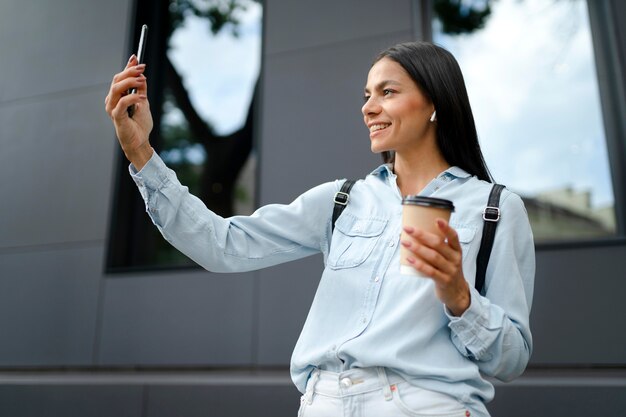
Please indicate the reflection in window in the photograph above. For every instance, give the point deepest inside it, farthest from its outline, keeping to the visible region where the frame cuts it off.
(531, 79)
(202, 88)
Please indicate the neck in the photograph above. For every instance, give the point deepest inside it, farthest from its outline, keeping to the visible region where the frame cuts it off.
(416, 169)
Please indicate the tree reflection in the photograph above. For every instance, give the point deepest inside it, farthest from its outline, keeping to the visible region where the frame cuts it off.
(458, 16)
(214, 180)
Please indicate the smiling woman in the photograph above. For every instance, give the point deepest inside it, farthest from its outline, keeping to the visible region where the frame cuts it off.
(372, 330)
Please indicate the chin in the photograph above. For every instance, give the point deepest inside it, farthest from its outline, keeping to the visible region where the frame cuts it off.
(380, 150)
(377, 148)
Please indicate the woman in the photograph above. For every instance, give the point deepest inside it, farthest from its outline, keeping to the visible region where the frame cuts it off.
(375, 342)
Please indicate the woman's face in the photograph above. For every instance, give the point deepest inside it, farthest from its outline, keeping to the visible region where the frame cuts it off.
(395, 111)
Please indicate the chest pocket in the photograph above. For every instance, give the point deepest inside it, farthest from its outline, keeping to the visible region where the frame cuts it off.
(466, 238)
(353, 240)
(466, 235)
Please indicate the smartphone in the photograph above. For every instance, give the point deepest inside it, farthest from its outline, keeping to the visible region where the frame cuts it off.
(141, 49)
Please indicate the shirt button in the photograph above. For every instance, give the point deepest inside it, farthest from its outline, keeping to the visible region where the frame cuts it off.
(346, 382)
(376, 279)
(392, 244)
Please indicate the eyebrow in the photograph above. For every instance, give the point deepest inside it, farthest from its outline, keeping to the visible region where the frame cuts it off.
(383, 84)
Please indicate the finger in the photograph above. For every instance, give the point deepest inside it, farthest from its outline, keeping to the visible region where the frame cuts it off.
(132, 71)
(115, 91)
(425, 268)
(120, 111)
(143, 85)
(450, 234)
(132, 61)
(435, 253)
(431, 257)
(434, 241)
(120, 90)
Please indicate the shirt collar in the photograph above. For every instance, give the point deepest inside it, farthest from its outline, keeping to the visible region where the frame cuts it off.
(456, 172)
(384, 171)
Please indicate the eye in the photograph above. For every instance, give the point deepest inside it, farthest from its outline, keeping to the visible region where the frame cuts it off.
(387, 91)
(365, 98)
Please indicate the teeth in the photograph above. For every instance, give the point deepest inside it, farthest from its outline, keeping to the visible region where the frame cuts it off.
(381, 126)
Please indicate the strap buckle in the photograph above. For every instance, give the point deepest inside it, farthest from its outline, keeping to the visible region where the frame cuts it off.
(341, 198)
(491, 214)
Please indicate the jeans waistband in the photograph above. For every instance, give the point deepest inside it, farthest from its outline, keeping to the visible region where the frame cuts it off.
(352, 382)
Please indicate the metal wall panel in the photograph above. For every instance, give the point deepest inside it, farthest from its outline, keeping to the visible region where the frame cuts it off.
(173, 319)
(56, 166)
(55, 175)
(293, 25)
(60, 46)
(576, 313)
(48, 306)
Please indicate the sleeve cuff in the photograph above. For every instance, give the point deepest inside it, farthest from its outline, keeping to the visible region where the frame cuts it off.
(466, 330)
(152, 176)
(472, 313)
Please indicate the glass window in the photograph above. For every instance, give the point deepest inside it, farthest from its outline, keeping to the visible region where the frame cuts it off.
(203, 64)
(530, 74)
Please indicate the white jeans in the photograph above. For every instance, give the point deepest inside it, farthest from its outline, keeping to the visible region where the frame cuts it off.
(373, 392)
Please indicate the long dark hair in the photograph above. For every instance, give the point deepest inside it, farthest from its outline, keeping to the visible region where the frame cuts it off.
(438, 75)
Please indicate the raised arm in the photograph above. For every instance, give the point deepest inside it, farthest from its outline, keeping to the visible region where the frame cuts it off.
(274, 234)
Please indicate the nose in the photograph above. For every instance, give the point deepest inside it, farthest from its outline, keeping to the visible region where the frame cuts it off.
(370, 107)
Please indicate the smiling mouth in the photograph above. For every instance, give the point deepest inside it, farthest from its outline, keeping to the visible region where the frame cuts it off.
(378, 127)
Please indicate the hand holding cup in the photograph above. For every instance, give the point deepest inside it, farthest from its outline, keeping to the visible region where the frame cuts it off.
(431, 249)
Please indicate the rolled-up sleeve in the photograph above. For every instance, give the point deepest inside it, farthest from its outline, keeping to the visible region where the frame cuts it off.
(494, 331)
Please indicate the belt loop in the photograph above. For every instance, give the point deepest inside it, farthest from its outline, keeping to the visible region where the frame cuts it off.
(310, 386)
(382, 377)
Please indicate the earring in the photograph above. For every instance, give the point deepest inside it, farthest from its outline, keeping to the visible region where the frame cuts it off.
(433, 117)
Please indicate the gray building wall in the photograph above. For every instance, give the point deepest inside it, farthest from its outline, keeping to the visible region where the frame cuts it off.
(77, 342)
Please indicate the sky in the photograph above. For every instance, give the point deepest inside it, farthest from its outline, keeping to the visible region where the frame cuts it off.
(533, 88)
(222, 68)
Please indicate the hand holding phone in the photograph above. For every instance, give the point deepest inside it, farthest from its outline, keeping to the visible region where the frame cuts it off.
(143, 38)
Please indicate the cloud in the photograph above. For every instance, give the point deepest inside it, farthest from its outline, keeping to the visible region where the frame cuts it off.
(532, 83)
(219, 71)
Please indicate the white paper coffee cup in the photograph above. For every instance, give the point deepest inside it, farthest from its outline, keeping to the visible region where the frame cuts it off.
(421, 213)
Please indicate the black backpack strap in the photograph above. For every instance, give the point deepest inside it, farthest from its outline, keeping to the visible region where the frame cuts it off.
(491, 216)
(341, 201)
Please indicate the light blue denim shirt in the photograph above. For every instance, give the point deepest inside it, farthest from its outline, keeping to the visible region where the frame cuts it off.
(365, 313)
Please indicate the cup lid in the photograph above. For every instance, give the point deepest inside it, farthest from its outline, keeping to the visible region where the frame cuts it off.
(428, 202)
